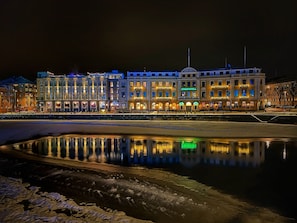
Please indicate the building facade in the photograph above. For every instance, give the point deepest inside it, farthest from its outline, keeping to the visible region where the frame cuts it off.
(191, 90)
(93, 92)
(281, 94)
(17, 94)
(152, 91)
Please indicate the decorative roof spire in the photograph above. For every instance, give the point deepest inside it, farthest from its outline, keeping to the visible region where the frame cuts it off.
(189, 57)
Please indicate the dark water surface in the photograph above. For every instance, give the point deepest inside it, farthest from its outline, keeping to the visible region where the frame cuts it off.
(260, 171)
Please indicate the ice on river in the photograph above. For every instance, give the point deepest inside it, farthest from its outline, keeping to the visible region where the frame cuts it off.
(20, 202)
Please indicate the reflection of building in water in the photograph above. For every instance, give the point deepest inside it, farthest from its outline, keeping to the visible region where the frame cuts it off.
(155, 150)
(242, 152)
(148, 150)
(83, 148)
(111, 149)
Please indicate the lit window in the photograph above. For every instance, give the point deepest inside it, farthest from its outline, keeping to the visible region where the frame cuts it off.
(243, 93)
(235, 93)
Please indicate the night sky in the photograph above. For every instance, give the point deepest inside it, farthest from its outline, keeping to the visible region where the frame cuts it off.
(101, 35)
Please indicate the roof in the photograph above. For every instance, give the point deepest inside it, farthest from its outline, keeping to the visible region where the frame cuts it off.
(15, 80)
(188, 70)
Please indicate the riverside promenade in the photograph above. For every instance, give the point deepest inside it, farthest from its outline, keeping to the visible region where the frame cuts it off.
(263, 117)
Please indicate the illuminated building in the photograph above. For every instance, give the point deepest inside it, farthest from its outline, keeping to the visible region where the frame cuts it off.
(281, 94)
(17, 94)
(4, 100)
(191, 90)
(152, 91)
(93, 92)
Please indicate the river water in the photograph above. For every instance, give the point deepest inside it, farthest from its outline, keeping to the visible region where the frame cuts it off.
(259, 171)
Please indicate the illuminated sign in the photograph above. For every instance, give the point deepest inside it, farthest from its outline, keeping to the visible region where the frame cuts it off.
(188, 89)
(188, 145)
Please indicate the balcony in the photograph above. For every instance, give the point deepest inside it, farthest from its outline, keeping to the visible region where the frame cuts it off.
(243, 97)
(220, 98)
(137, 98)
(137, 87)
(163, 87)
(163, 98)
(219, 86)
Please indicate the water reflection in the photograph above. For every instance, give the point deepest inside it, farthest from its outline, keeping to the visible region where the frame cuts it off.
(149, 150)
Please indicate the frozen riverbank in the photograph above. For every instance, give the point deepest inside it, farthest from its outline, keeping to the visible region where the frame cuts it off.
(21, 202)
(143, 193)
(151, 191)
(14, 130)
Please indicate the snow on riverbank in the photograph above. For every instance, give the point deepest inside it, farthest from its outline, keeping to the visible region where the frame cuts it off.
(20, 202)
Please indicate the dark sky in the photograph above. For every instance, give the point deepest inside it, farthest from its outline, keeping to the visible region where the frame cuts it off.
(65, 36)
